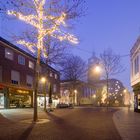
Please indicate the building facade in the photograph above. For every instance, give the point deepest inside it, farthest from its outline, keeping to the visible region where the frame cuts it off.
(17, 75)
(135, 74)
(77, 93)
(115, 95)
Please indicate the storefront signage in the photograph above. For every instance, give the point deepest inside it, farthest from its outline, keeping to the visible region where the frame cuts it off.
(23, 91)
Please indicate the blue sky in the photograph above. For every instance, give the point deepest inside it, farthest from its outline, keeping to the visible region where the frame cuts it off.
(108, 23)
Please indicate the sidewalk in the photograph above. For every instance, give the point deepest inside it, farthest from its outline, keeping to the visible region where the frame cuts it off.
(127, 123)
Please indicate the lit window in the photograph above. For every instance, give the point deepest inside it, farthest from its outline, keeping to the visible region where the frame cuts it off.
(31, 65)
(29, 80)
(55, 76)
(9, 54)
(21, 60)
(15, 77)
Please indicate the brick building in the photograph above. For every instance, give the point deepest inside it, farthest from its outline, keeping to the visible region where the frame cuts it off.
(17, 73)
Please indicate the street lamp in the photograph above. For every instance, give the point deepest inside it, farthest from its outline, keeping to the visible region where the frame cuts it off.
(75, 96)
(97, 69)
(44, 80)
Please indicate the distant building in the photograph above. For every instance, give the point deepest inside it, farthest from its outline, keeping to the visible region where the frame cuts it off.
(80, 93)
(135, 74)
(115, 92)
(92, 75)
(17, 76)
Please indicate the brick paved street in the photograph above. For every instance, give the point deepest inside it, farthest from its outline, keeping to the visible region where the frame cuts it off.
(62, 124)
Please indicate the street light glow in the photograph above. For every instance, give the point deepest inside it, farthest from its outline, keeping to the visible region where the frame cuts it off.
(75, 91)
(97, 69)
(43, 80)
(125, 90)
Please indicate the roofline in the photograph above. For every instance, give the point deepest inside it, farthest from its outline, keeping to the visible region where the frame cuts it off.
(24, 52)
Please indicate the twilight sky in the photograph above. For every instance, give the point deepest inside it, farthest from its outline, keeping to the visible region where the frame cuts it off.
(108, 23)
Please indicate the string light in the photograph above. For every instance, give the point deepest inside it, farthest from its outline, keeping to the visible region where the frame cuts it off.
(38, 22)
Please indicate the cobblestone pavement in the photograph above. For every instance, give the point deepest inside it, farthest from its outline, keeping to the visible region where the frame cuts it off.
(128, 124)
(62, 124)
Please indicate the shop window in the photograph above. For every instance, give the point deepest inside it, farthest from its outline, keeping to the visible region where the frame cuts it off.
(29, 80)
(31, 65)
(9, 54)
(0, 73)
(21, 60)
(15, 77)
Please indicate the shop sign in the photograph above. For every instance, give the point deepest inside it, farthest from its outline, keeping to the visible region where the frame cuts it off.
(23, 91)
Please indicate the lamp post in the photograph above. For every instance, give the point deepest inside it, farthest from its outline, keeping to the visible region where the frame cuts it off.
(43, 80)
(75, 96)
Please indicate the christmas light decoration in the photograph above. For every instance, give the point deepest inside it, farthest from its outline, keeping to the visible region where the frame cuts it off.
(46, 25)
(38, 21)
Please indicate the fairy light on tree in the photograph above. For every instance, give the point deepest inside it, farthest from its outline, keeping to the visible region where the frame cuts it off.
(54, 29)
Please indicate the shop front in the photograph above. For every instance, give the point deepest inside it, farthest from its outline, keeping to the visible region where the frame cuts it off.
(41, 98)
(20, 98)
(136, 90)
(2, 97)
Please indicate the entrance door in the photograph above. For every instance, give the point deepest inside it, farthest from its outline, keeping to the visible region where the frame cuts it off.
(1, 100)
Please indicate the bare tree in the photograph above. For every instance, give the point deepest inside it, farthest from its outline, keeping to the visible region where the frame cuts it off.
(73, 68)
(111, 64)
(47, 20)
(54, 48)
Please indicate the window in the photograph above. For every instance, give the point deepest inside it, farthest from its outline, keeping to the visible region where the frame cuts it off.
(9, 54)
(55, 76)
(136, 65)
(29, 80)
(31, 65)
(15, 77)
(51, 74)
(54, 88)
(21, 60)
(0, 73)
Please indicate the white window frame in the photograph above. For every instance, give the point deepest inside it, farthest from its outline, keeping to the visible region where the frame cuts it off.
(136, 65)
(51, 74)
(21, 60)
(56, 76)
(31, 65)
(9, 54)
(54, 87)
(29, 80)
(15, 77)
